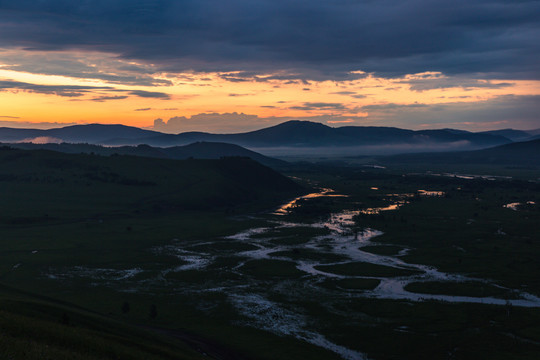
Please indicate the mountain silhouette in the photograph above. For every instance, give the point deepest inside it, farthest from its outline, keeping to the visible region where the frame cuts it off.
(292, 134)
(311, 134)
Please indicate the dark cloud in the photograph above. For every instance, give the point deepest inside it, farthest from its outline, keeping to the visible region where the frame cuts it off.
(392, 106)
(77, 90)
(33, 125)
(150, 94)
(112, 71)
(143, 109)
(430, 82)
(9, 117)
(60, 90)
(508, 111)
(107, 98)
(319, 106)
(294, 39)
(352, 94)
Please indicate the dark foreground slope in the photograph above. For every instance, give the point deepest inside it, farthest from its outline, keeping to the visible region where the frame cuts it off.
(35, 327)
(64, 211)
(39, 184)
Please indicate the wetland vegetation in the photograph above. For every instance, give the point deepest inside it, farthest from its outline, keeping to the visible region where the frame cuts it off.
(399, 265)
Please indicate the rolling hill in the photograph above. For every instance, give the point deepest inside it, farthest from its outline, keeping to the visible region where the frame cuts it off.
(81, 185)
(291, 134)
(36, 327)
(198, 150)
(92, 133)
(525, 153)
(514, 135)
(305, 134)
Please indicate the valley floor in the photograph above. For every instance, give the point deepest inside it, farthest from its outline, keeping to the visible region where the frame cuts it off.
(382, 266)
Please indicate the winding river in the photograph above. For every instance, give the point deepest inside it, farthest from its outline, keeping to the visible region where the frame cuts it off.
(338, 243)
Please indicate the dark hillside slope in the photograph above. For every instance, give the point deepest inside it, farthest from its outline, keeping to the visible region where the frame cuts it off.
(35, 328)
(79, 148)
(519, 153)
(16, 134)
(214, 150)
(514, 135)
(38, 184)
(199, 150)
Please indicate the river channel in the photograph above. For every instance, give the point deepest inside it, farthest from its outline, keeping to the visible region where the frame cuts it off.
(336, 242)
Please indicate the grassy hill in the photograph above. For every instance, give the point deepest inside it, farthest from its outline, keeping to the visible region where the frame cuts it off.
(77, 211)
(61, 210)
(38, 185)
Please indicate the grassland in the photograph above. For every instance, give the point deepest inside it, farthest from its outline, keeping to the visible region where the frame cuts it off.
(206, 269)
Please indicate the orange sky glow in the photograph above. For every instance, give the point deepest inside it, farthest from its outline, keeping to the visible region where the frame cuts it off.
(267, 101)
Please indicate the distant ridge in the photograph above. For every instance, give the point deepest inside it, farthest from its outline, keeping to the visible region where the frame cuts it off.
(524, 153)
(91, 133)
(306, 134)
(514, 135)
(291, 134)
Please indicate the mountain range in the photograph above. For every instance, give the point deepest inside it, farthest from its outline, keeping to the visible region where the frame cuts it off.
(304, 134)
(526, 153)
(292, 134)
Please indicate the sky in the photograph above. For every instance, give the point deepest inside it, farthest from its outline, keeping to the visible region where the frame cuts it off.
(238, 65)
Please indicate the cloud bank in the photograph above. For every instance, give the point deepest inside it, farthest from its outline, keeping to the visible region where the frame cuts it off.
(520, 112)
(304, 39)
